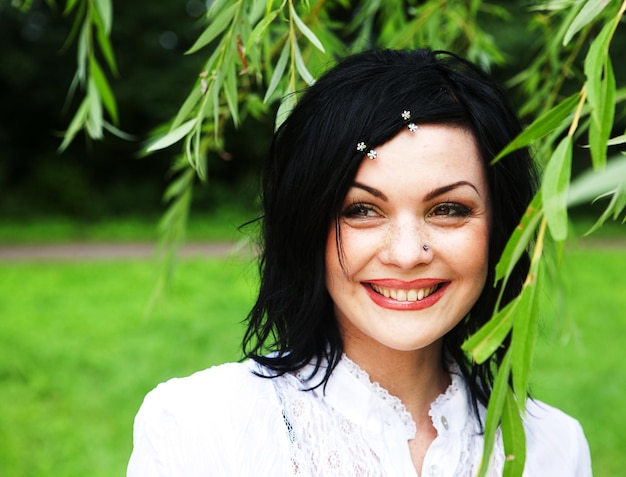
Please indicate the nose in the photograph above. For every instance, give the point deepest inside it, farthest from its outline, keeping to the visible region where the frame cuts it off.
(406, 246)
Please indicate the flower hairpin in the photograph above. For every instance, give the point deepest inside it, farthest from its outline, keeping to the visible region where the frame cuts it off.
(406, 117)
(362, 147)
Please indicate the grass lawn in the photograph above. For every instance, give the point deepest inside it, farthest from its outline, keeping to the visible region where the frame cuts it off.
(77, 353)
(222, 224)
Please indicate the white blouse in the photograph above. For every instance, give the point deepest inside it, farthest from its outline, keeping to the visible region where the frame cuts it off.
(227, 421)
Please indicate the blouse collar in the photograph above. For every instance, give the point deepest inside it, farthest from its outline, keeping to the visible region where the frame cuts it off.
(351, 392)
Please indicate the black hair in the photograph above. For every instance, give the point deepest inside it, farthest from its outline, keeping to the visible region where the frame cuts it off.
(312, 164)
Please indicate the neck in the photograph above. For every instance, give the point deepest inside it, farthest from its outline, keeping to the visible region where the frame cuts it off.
(415, 377)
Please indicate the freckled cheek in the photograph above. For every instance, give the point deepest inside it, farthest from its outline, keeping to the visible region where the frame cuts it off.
(469, 251)
(358, 247)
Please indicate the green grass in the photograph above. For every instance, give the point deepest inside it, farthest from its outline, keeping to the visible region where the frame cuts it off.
(77, 353)
(579, 365)
(220, 225)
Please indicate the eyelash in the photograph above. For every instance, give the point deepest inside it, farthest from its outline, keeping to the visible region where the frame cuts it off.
(357, 210)
(450, 209)
(454, 210)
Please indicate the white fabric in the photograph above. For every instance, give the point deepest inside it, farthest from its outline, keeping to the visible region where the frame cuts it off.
(226, 421)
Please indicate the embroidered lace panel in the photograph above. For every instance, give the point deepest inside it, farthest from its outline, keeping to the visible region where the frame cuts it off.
(325, 443)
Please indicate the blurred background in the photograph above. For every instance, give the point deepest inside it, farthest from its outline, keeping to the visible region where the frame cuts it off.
(78, 351)
(95, 181)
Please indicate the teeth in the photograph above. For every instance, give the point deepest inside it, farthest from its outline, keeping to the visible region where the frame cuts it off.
(404, 295)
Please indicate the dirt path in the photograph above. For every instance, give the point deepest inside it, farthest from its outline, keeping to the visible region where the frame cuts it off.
(115, 251)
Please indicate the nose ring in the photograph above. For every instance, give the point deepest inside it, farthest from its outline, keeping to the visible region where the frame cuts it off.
(426, 248)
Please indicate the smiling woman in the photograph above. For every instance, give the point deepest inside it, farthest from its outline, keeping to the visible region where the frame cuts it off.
(388, 216)
(383, 222)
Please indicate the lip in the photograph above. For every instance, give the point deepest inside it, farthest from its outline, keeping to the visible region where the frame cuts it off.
(392, 304)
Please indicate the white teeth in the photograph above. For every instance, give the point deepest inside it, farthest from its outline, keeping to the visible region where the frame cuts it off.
(404, 295)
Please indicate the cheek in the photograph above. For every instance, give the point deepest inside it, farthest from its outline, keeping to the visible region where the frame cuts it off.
(475, 255)
(346, 256)
(468, 250)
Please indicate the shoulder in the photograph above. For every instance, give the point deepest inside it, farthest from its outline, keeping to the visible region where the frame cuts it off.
(205, 392)
(555, 443)
(213, 422)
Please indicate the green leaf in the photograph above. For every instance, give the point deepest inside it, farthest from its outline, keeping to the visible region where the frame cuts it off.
(616, 206)
(554, 189)
(216, 103)
(260, 28)
(524, 336)
(278, 72)
(602, 115)
(77, 23)
(520, 238)
(81, 53)
(230, 91)
(190, 102)
(178, 186)
(77, 123)
(617, 140)
(305, 30)
(590, 10)
(287, 103)
(541, 126)
(171, 137)
(599, 90)
(217, 26)
(301, 67)
(69, 6)
(494, 411)
(513, 437)
(591, 184)
(94, 118)
(104, 8)
(103, 88)
(118, 132)
(107, 50)
(482, 344)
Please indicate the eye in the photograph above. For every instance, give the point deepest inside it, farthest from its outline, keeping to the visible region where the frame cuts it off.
(359, 211)
(450, 209)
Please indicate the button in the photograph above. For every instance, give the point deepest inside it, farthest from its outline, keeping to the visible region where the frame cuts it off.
(444, 421)
(433, 471)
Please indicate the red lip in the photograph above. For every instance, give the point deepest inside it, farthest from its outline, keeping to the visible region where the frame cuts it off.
(404, 285)
(392, 304)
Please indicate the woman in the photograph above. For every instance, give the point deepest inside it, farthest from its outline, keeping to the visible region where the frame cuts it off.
(383, 222)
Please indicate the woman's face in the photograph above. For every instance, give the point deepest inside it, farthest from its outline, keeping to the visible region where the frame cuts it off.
(414, 237)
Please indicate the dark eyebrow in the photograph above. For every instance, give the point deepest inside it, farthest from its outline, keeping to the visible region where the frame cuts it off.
(371, 190)
(447, 188)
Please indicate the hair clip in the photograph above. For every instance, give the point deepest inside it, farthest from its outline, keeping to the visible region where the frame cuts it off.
(362, 147)
(406, 117)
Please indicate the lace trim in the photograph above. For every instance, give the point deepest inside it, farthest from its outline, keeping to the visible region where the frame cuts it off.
(392, 401)
(438, 406)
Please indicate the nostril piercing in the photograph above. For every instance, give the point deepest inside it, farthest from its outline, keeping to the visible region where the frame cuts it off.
(426, 248)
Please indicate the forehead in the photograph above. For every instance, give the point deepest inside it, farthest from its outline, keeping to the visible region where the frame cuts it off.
(428, 157)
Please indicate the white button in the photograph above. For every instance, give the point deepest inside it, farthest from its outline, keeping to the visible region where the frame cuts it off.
(444, 421)
(433, 471)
